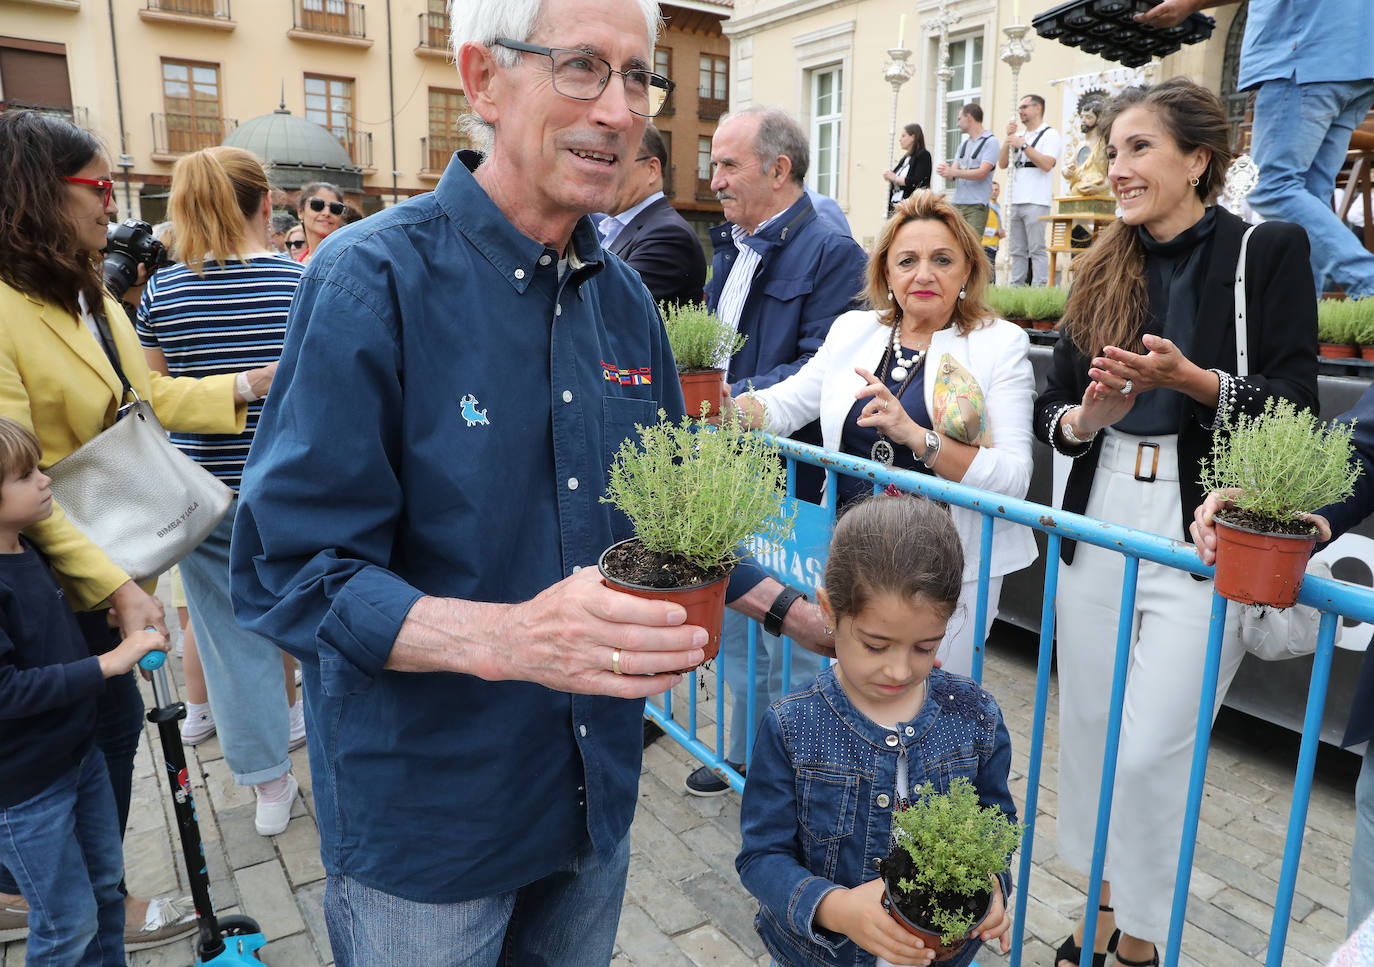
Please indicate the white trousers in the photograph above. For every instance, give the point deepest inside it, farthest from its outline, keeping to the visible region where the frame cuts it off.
(1163, 689)
(956, 651)
(1026, 233)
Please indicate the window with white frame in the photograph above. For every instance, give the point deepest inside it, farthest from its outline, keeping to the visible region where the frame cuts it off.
(826, 100)
(965, 85)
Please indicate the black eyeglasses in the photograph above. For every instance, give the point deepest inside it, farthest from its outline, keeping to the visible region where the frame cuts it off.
(295, 243)
(583, 77)
(317, 205)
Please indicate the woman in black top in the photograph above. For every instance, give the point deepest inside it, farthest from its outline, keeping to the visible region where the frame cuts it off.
(912, 169)
(1145, 367)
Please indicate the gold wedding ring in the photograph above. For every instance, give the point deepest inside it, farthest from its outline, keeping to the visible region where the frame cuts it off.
(615, 661)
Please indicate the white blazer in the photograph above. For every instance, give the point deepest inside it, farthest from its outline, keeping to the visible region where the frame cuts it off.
(996, 353)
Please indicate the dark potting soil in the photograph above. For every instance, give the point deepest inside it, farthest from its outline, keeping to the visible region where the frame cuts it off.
(1268, 525)
(920, 908)
(632, 563)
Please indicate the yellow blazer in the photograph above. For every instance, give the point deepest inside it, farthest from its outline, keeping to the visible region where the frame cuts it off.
(56, 380)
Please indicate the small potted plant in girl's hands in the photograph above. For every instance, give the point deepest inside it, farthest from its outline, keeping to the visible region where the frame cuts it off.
(702, 343)
(694, 494)
(939, 873)
(1274, 469)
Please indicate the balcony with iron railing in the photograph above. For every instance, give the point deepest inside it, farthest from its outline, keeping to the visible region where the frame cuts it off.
(669, 176)
(433, 35)
(329, 21)
(213, 14)
(709, 107)
(178, 134)
(79, 116)
(436, 150)
(704, 192)
(358, 144)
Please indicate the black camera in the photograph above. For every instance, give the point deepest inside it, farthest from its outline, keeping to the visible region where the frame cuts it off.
(127, 246)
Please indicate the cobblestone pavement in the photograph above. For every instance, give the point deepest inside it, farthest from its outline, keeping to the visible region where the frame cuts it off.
(684, 905)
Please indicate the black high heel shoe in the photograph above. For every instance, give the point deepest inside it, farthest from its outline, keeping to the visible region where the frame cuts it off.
(1073, 953)
(1152, 962)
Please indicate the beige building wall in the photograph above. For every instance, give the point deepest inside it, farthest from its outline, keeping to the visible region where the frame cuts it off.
(778, 45)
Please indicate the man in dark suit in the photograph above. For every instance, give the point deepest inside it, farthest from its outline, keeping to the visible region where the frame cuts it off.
(1333, 521)
(649, 235)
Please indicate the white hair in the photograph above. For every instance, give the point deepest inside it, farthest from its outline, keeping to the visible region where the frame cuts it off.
(482, 21)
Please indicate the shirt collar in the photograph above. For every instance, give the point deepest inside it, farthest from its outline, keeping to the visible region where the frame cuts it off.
(630, 214)
(488, 230)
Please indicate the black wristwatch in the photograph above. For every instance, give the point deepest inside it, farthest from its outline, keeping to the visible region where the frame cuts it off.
(772, 621)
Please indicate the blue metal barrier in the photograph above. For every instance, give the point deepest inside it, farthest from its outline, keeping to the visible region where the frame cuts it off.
(811, 537)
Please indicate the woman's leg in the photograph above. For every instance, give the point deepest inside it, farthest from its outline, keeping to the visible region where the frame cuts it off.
(956, 651)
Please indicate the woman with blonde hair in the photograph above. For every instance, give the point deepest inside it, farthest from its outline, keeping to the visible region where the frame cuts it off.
(1145, 369)
(223, 309)
(925, 379)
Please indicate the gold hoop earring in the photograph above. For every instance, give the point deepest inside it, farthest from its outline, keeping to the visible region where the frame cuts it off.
(1194, 181)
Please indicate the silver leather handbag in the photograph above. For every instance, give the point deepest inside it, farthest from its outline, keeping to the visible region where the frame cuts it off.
(135, 495)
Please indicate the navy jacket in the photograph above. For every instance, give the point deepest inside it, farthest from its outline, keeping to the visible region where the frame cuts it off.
(665, 251)
(1343, 516)
(808, 274)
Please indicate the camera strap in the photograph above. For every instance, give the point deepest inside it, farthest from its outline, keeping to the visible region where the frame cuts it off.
(107, 343)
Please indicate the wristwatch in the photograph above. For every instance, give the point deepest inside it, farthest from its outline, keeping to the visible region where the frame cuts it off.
(932, 449)
(772, 621)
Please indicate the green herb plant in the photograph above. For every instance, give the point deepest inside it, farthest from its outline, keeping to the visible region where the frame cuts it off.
(698, 492)
(1283, 462)
(698, 337)
(956, 845)
(1027, 302)
(1346, 321)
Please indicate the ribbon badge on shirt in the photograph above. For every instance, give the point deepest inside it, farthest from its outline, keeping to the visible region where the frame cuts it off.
(626, 377)
(471, 413)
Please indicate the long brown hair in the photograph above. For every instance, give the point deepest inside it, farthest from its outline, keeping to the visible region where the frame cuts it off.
(901, 545)
(926, 205)
(213, 191)
(1108, 303)
(38, 253)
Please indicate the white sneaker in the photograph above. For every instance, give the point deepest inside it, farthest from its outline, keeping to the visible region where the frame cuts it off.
(198, 725)
(297, 738)
(273, 816)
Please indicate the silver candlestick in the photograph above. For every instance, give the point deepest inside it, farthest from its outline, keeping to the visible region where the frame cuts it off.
(897, 71)
(1015, 52)
(939, 26)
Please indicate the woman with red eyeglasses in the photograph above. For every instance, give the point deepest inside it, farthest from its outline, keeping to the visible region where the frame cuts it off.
(58, 380)
(321, 209)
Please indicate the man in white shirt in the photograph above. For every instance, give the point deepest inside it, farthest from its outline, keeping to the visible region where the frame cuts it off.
(1034, 154)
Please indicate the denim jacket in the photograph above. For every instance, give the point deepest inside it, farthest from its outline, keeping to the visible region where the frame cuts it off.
(818, 801)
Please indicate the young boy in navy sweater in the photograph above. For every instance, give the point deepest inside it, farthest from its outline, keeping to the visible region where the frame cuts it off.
(59, 832)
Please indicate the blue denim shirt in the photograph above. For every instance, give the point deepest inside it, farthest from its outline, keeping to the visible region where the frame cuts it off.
(818, 800)
(1316, 41)
(441, 424)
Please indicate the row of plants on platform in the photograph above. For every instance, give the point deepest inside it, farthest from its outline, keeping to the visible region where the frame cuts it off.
(1345, 327)
(1027, 304)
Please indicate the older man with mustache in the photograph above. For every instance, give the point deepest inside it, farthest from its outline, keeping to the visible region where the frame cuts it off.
(780, 276)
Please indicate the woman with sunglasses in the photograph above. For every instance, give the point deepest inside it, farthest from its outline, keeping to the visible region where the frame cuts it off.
(57, 380)
(295, 242)
(321, 208)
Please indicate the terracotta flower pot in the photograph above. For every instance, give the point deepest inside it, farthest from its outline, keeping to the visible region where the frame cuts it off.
(1044, 323)
(1023, 323)
(1258, 568)
(927, 935)
(1336, 350)
(705, 603)
(1367, 352)
(703, 386)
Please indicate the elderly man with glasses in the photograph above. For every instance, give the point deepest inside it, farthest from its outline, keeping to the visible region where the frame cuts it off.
(420, 519)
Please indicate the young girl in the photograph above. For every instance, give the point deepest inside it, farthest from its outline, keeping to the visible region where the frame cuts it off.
(833, 761)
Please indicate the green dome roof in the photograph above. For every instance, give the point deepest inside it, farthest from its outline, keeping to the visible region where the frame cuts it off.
(296, 150)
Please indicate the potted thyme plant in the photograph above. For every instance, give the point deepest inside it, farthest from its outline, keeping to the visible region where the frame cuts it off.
(694, 494)
(1274, 469)
(1034, 307)
(938, 873)
(701, 345)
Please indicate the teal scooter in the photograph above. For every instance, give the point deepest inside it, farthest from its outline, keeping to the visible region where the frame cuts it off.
(221, 941)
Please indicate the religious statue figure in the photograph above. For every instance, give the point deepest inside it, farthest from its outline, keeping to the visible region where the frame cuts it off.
(1085, 158)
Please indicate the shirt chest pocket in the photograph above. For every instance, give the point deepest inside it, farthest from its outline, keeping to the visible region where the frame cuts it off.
(620, 414)
(788, 290)
(828, 802)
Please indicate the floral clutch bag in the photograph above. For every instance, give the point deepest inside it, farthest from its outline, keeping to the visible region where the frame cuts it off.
(958, 409)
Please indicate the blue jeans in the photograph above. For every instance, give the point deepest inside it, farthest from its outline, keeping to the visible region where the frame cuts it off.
(566, 919)
(63, 847)
(768, 683)
(1301, 134)
(1362, 853)
(243, 670)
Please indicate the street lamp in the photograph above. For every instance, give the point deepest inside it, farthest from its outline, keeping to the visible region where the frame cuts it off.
(896, 72)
